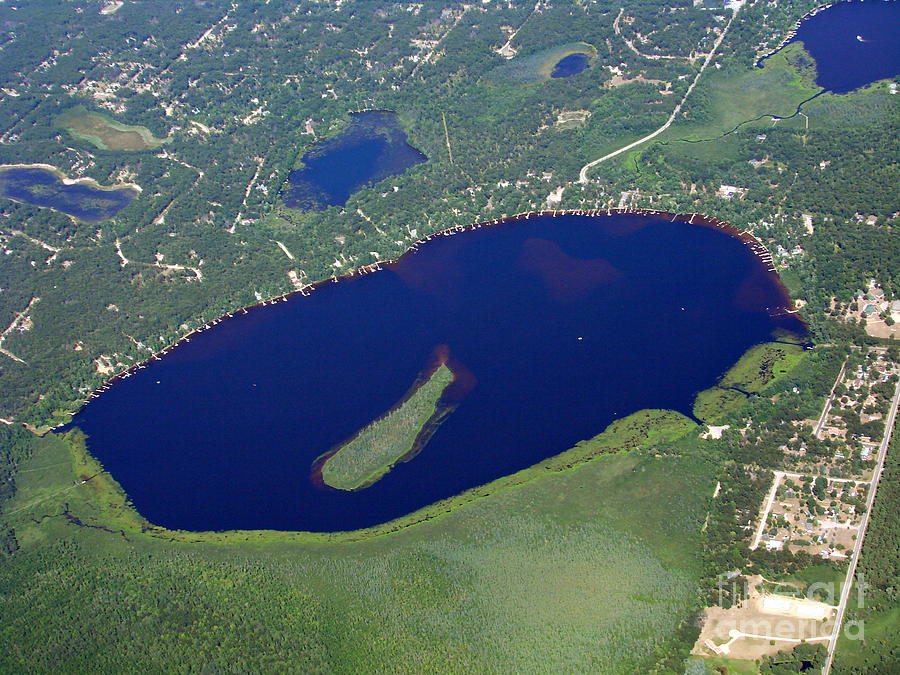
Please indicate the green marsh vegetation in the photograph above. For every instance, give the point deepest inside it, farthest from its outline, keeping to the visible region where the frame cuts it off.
(598, 550)
(537, 67)
(721, 664)
(105, 132)
(110, 505)
(39, 190)
(757, 369)
(729, 98)
(397, 436)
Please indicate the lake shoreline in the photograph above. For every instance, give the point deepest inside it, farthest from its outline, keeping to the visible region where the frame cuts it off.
(846, 42)
(792, 33)
(747, 238)
(621, 437)
(371, 148)
(547, 69)
(65, 180)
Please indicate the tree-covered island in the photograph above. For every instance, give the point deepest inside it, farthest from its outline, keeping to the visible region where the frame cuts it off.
(397, 436)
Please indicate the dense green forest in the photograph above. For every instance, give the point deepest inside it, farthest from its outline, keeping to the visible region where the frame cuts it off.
(875, 610)
(241, 107)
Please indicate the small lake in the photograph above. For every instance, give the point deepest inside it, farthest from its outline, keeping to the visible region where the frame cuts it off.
(566, 324)
(42, 187)
(853, 43)
(371, 149)
(571, 65)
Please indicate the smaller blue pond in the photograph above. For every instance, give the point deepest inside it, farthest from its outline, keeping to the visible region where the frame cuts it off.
(372, 148)
(853, 43)
(42, 187)
(571, 65)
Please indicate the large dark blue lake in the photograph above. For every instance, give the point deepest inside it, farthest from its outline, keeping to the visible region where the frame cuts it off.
(853, 43)
(42, 187)
(568, 324)
(371, 149)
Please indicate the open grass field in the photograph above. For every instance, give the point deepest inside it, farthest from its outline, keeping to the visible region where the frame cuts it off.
(722, 665)
(588, 565)
(822, 582)
(398, 435)
(105, 133)
(821, 576)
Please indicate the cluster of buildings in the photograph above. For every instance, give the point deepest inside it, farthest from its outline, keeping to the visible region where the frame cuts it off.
(878, 314)
(819, 519)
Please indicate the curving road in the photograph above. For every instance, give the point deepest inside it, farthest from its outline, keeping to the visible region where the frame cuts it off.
(582, 175)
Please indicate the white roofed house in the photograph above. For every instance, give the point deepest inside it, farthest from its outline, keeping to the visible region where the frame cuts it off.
(730, 191)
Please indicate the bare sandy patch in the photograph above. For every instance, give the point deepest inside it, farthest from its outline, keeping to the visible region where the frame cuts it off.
(104, 365)
(878, 328)
(763, 624)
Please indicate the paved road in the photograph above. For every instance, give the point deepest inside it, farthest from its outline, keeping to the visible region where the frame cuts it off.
(845, 591)
(582, 176)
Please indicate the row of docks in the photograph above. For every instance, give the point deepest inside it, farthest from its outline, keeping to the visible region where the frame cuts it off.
(793, 31)
(756, 246)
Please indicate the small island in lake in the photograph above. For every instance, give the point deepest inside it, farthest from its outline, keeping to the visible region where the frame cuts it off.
(397, 436)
